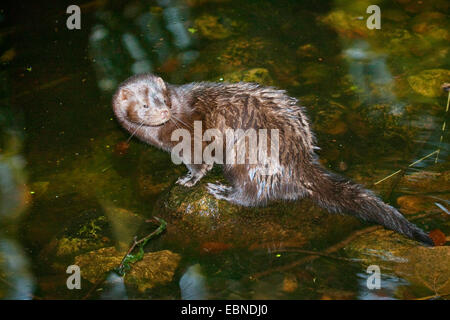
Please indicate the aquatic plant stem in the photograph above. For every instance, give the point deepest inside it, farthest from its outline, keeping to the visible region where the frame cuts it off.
(410, 165)
(436, 296)
(315, 253)
(443, 129)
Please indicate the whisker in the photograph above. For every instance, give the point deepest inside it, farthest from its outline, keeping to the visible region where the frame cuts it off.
(134, 132)
(181, 121)
(175, 123)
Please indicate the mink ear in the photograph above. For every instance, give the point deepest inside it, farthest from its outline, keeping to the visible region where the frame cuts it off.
(125, 94)
(161, 82)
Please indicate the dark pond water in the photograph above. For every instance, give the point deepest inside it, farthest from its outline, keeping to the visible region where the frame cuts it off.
(68, 186)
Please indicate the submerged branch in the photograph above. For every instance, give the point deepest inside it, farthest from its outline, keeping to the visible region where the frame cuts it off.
(313, 255)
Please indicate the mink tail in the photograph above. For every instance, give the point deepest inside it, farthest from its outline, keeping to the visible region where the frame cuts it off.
(339, 195)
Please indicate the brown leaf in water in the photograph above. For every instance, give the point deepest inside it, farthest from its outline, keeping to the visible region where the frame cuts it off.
(121, 148)
(214, 247)
(438, 237)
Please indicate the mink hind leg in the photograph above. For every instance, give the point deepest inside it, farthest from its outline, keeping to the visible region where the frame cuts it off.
(234, 194)
(245, 189)
(196, 172)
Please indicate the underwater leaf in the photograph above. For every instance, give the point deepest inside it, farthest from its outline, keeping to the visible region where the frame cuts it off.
(438, 237)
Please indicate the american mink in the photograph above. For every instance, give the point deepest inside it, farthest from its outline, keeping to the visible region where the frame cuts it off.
(152, 109)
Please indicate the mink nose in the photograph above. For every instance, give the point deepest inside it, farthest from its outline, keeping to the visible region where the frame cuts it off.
(165, 113)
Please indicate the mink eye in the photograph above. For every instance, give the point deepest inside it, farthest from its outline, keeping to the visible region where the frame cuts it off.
(145, 106)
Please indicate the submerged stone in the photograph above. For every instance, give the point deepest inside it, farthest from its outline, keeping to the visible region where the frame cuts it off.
(212, 27)
(156, 268)
(414, 204)
(88, 231)
(243, 52)
(428, 82)
(345, 24)
(395, 254)
(314, 73)
(257, 75)
(307, 51)
(290, 283)
(330, 120)
(395, 15)
(427, 181)
(94, 229)
(433, 25)
(70, 246)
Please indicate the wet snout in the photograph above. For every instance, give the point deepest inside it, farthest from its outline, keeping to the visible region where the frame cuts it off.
(165, 113)
(158, 116)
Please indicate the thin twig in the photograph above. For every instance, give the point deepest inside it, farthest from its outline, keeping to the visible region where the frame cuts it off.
(314, 256)
(443, 129)
(436, 296)
(142, 241)
(314, 253)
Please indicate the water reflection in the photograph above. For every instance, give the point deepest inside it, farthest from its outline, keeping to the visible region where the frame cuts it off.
(389, 286)
(368, 70)
(114, 288)
(16, 280)
(133, 40)
(193, 284)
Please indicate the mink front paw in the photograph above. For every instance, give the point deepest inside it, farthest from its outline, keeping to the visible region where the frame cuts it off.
(188, 180)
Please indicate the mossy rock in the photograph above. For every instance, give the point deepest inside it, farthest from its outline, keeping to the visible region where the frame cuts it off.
(395, 15)
(315, 73)
(433, 25)
(307, 50)
(345, 24)
(428, 82)
(196, 204)
(243, 52)
(213, 27)
(325, 120)
(87, 231)
(155, 269)
(256, 75)
(405, 258)
(70, 246)
(199, 220)
(427, 181)
(93, 229)
(411, 204)
(382, 116)
(399, 41)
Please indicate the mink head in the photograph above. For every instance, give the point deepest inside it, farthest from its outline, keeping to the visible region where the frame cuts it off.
(143, 100)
